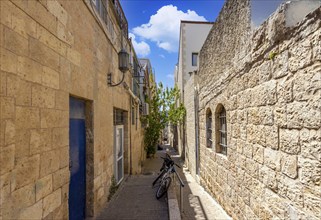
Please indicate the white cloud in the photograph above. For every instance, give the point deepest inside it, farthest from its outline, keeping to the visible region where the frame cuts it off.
(171, 76)
(162, 56)
(141, 48)
(163, 27)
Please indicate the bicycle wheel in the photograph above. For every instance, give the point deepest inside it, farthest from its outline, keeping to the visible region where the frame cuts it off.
(163, 187)
(159, 177)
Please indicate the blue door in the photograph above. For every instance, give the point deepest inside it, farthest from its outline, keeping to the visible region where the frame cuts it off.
(77, 153)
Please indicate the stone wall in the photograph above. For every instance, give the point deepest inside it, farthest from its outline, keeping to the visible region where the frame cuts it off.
(190, 147)
(51, 50)
(270, 86)
(189, 43)
(137, 152)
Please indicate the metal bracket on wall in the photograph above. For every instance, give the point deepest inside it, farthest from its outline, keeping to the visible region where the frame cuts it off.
(109, 80)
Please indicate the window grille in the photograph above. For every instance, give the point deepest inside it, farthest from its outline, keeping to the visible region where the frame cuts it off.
(209, 140)
(101, 7)
(119, 118)
(222, 131)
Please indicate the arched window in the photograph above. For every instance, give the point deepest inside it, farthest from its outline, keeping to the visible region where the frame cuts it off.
(221, 131)
(209, 140)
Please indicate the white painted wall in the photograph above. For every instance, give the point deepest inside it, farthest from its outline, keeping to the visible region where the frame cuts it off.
(193, 40)
(297, 10)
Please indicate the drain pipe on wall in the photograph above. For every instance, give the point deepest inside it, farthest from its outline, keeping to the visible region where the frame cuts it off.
(130, 137)
(131, 93)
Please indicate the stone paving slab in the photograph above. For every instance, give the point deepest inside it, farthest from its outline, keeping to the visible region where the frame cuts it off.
(197, 203)
(204, 205)
(136, 198)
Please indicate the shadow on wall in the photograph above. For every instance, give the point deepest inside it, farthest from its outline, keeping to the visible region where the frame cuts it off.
(296, 10)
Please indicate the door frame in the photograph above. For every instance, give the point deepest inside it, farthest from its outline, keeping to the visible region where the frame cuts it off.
(116, 159)
(77, 127)
(89, 165)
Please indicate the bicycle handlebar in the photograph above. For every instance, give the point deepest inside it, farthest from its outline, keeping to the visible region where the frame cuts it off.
(168, 157)
(171, 161)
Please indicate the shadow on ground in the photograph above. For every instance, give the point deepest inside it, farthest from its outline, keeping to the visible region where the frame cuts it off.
(192, 205)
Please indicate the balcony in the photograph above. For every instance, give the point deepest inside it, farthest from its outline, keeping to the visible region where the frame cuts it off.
(102, 8)
(122, 21)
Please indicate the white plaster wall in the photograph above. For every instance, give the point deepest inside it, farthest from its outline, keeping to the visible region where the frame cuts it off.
(193, 40)
(297, 10)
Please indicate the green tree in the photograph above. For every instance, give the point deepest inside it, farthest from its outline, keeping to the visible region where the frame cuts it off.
(164, 108)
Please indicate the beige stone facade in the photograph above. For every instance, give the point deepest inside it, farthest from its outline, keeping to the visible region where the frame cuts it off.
(190, 45)
(191, 105)
(269, 82)
(51, 51)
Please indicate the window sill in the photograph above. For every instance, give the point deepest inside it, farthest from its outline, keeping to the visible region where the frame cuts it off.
(223, 156)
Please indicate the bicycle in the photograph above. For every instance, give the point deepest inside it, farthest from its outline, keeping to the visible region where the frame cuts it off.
(166, 164)
(165, 176)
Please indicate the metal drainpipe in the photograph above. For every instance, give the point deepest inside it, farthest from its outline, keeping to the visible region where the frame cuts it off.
(130, 136)
(132, 98)
(196, 129)
(196, 105)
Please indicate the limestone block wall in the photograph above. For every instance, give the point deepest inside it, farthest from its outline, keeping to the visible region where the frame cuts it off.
(137, 151)
(51, 50)
(190, 147)
(270, 86)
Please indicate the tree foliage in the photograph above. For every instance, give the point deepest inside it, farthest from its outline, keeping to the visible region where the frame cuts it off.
(164, 108)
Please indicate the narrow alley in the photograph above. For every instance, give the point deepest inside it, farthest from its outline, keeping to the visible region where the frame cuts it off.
(137, 200)
(94, 92)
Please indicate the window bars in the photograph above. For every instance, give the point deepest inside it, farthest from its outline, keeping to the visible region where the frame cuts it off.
(209, 129)
(223, 132)
(119, 117)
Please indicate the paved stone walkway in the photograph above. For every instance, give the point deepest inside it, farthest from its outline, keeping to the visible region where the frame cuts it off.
(197, 203)
(136, 198)
(202, 205)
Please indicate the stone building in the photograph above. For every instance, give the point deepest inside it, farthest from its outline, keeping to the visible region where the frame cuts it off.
(145, 83)
(259, 112)
(188, 63)
(65, 130)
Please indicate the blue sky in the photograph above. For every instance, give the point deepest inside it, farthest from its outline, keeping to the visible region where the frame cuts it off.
(154, 27)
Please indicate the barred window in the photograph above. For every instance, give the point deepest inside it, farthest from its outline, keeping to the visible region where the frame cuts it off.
(209, 140)
(221, 133)
(101, 7)
(119, 118)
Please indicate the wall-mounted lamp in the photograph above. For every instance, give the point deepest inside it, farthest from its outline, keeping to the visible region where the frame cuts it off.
(123, 60)
(123, 65)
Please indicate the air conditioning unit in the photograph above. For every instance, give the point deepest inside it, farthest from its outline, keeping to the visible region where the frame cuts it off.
(145, 109)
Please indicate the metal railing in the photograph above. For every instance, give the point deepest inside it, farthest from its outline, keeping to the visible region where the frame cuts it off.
(181, 192)
(102, 9)
(120, 16)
